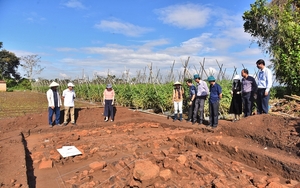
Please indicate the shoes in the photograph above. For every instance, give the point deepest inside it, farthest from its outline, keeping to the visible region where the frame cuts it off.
(189, 120)
(58, 125)
(50, 126)
(65, 124)
(193, 123)
(106, 119)
(234, 120)
(111, 120)
(180, 120)
(73, 123)
(214, 126)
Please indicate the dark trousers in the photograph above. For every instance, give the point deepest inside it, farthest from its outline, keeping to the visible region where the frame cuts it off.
(191, 111)
(199, 106)
(262, 101)
(247, 103)
(55, 111)
(109, 109)
(214, 113)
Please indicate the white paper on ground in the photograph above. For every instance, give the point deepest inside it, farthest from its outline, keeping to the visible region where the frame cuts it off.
(67, 151)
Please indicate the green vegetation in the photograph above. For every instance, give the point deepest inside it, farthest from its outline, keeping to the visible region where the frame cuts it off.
(276, 29)
(9, 63)
(139, 96)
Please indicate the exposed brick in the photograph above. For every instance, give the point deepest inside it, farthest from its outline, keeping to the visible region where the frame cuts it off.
(274, 185)
(181, 159)
(98, 165)
(273, 179)
(165, 175)
(46, 164)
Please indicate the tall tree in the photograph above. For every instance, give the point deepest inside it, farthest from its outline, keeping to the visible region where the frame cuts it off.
(31, 65)
(276, 29)
(9, 63)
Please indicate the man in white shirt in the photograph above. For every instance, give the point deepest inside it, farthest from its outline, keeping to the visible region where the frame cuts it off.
(264, 84)
(201, 95)
(54, 103)
(69, 96)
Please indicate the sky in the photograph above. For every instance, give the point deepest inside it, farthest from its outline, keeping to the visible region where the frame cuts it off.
(88, 38)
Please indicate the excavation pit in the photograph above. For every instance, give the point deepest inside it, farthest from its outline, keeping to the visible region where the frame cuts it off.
(145, 150)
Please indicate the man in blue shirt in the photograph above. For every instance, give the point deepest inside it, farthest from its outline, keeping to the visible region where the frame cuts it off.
(214, 101)
(264, 84)
(192, 97)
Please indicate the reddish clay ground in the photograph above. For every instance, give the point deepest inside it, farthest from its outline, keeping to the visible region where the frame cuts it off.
(145, 150)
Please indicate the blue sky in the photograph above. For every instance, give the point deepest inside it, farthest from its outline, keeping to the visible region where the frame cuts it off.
(76, 37)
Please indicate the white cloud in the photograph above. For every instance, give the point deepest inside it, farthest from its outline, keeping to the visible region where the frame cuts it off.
(189, 16)
(74, 4)
(223, 42)
(33, 17)
(124, 28)
(65, 76)
(66, 49)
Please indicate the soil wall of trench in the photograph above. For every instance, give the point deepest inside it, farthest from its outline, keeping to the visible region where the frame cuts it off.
(153, 151)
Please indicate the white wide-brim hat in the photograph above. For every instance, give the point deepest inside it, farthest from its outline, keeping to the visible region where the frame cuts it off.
(71, 85)
(53, 84)
(236, 77)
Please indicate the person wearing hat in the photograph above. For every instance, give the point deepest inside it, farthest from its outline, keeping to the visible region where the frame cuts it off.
(214, 101)
(108, 102)
(54, 103)
(202, 92)
(68, 97)
(178, 92)
(249, 89)
(236, 100)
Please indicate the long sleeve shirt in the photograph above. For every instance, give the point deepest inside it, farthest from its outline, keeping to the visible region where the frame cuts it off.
(50, 97)
(202, 89)
(178, 94)
(264, 79)
(249, 85)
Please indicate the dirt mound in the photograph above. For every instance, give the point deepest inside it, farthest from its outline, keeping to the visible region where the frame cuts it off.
(145, 150)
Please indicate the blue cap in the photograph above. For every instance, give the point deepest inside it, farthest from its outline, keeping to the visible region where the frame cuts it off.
(211, 79)
(196, 76)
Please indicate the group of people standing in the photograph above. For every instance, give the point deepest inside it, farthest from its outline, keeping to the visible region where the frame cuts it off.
(244, 92)
(197, 96)
(68, 96)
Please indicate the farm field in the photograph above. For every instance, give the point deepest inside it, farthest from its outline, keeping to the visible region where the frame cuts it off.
(143, 149)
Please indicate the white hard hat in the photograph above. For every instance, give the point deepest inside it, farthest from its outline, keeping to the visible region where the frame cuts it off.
(236, 77)
(70, 84)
